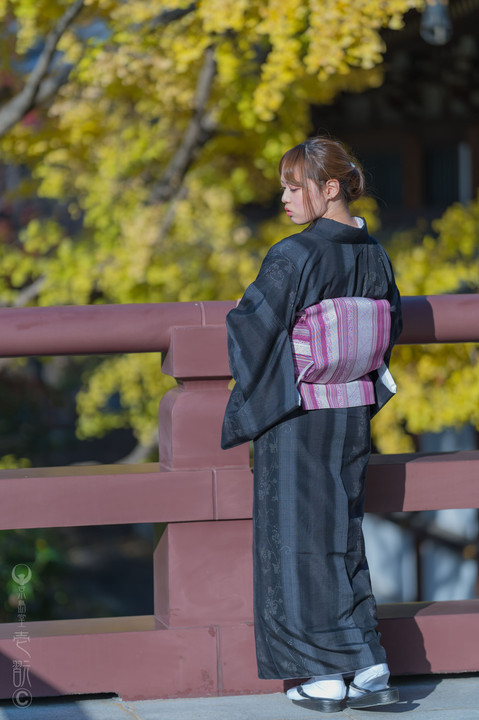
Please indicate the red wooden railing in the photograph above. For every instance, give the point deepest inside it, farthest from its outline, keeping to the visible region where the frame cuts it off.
(200, 639)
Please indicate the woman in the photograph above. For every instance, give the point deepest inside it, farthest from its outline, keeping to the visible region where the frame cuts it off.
(315, 614)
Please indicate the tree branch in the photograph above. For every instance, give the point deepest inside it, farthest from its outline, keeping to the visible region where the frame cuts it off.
(29, 292)
(164, 229)
(193, 137)
(168, 16)
(50, 86)
(38, 86)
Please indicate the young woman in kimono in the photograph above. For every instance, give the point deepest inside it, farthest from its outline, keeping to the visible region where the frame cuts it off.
(309, 346)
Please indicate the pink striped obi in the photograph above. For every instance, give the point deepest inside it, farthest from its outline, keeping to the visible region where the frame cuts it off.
(336, 343)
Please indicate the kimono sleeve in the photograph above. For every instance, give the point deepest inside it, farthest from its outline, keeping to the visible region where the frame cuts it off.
(260, 354)
(383, 392)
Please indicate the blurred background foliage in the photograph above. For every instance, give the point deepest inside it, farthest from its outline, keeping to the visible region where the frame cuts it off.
(35, 551)
(145, 170)
(157, 159)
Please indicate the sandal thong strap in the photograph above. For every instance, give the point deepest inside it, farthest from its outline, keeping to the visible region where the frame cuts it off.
(361, 690)
(304, 694)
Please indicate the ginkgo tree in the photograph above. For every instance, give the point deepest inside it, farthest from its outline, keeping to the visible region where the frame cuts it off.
(439, 384)
(157, 128)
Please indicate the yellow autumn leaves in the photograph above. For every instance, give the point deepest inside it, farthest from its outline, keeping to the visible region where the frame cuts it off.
(104, 146)
(438, 384)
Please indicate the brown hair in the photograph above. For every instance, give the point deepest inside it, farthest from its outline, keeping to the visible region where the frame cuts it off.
(321, 159)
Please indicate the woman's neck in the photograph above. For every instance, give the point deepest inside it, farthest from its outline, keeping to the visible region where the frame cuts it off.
(339, 211)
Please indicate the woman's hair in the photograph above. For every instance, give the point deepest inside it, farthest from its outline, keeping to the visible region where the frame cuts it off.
(321, 159)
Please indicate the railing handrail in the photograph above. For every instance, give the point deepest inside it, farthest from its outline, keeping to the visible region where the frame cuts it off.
(139, 328)
(101, 329)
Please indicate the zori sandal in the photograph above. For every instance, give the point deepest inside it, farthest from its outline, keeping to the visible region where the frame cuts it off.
(370, 698)
(325, 705)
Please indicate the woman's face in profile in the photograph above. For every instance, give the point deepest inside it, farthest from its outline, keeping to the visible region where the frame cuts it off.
(296, 208)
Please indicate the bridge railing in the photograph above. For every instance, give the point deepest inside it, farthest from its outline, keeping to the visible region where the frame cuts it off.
(199, 641)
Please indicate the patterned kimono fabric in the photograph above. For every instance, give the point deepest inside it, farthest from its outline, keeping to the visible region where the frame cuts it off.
(315, 612)
(314, 609)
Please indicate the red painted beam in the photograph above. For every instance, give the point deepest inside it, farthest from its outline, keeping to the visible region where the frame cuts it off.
(138, 658)
(99, 329)
(134, 657)
(81, 495)
(423, 481)
(431, 637)
(102, 495)
(115, 494)
(440, 318)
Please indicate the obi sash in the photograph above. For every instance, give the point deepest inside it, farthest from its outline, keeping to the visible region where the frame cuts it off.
(336, 344)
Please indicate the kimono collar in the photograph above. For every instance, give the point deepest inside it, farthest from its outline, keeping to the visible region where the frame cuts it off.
(339, 232)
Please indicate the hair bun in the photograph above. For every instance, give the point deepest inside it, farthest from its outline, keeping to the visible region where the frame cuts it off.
(321, 159)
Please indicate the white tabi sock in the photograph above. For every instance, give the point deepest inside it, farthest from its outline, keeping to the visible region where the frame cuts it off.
(371, 678)
(323, 686)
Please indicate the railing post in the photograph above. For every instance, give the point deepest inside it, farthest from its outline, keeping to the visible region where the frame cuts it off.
(203, 570)
(191, 414)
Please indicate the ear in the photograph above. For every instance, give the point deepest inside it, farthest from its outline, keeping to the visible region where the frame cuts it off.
(332, 188)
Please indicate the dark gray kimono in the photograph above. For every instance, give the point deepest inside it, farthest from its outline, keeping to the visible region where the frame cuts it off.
(314, 610)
